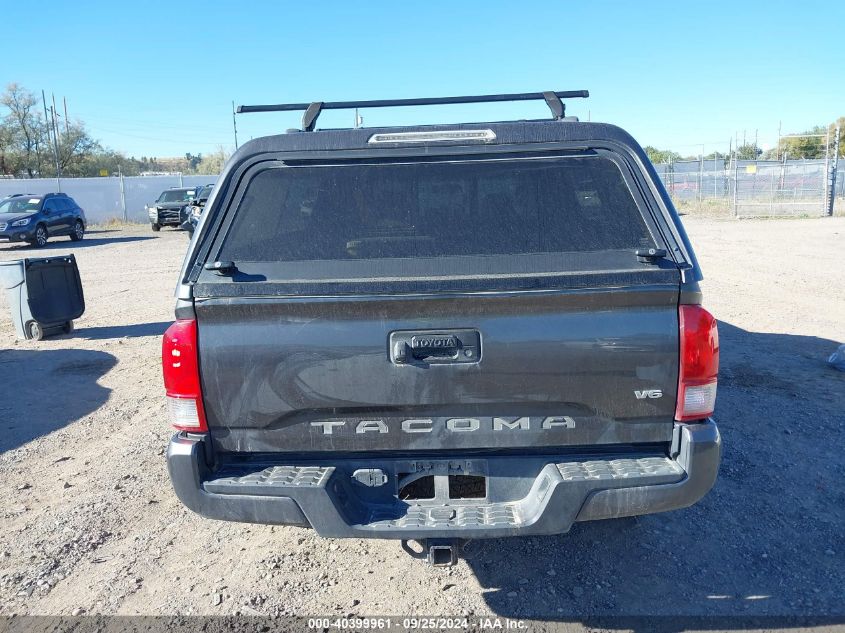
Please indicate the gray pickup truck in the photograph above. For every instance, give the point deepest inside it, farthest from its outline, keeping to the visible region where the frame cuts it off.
(440, 333)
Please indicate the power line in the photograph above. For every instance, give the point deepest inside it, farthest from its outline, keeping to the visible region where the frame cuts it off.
(154, 138)
(145, 124)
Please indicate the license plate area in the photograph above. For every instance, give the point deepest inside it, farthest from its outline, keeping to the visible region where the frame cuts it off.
(438, 482)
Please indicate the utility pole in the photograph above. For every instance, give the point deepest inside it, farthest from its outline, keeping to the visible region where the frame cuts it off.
(56, 140)
(46, 123)
(56, 116)
(54, 145)
(234, 125)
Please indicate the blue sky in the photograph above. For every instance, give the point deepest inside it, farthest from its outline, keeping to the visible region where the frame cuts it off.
(158, 78)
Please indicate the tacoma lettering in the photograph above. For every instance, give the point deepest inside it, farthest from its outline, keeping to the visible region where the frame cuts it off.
(453, 425)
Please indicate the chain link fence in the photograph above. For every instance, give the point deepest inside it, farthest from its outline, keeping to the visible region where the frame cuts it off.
(719, 187)
(746, 188)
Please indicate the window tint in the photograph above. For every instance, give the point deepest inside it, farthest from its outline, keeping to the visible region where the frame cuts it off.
(435, 209)
(20, 204)
(177, 195)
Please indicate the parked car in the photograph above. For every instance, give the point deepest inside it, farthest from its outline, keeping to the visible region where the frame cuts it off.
(191, 214)
(35, 219)
(169, 208)
(441, 333)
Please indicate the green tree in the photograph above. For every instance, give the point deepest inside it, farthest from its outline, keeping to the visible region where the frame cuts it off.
(75, 148)
(26, 147)
(111, 161)
(811, 143)
(213, 163)
(749, 151)
(193, 161)
(657, 156)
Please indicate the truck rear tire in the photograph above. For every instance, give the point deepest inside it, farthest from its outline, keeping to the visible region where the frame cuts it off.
(156, 227)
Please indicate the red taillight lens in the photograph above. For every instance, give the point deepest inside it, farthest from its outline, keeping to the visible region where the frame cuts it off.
(180, 362)
(699, 365)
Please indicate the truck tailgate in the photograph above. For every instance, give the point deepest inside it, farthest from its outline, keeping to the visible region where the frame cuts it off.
(554, 369)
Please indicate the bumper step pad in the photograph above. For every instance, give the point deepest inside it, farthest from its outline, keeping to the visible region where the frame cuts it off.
(493, 515)
(272, 481)
(657, 470)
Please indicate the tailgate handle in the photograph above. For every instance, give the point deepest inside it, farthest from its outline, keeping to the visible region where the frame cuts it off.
(426, 348)
(426, 345)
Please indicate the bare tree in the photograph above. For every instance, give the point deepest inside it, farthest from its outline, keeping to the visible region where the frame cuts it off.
(75, 147)
(24, 134)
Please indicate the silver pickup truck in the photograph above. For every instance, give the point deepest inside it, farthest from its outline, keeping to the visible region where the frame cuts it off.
(440, 333)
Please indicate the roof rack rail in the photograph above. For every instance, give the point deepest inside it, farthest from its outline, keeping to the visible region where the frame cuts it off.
(313, 110)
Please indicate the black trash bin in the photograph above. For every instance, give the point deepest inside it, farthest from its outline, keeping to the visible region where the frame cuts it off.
(45, 295)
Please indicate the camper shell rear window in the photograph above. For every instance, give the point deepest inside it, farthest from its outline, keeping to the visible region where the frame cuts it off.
(423, 219)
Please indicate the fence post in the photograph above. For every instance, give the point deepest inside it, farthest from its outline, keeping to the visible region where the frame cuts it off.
(736, 186)
(180, 180)
(831, 174)
(701, 175)
(715, 176)
(826, 171)
(122, 195)
(772, 192)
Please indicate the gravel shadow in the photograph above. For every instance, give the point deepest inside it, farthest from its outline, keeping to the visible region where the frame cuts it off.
(63, 243)
(45, 390)
(133, 330)
(766, 541)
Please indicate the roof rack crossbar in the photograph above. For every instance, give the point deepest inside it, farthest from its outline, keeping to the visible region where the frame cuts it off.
(313, 110)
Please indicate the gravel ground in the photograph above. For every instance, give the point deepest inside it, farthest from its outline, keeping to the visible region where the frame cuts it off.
(90, 524)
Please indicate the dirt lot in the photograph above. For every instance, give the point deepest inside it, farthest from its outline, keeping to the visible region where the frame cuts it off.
(90, 525)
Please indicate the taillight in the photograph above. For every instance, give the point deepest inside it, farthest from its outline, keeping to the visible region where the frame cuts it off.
(699, 363)
(180, 363)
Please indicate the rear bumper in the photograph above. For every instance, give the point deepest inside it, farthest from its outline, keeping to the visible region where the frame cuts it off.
(563, 491)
